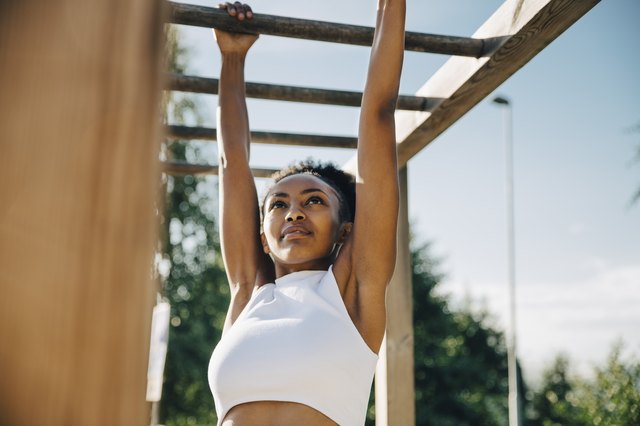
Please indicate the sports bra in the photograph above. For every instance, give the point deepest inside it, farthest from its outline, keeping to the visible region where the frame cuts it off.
(295, 342)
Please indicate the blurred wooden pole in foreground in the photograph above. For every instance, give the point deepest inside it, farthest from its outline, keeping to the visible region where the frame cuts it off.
(79, 85)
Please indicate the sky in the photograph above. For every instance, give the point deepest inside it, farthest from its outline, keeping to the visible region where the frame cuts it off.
(576, 165)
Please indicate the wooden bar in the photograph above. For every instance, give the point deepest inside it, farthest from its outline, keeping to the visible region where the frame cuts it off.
(79, 81)
(519, 30)
(201, 16)
(394, 384)
(182, 168)
(186, 83)
(269, 138)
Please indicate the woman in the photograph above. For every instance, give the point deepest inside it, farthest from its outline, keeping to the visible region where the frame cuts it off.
(308, 279)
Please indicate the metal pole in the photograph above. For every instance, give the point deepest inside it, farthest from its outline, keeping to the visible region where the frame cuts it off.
(155, 413)
(514, 418)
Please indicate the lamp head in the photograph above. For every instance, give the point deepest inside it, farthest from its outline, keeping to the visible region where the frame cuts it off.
(501, 100)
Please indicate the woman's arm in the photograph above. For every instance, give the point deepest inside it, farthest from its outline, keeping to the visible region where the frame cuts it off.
(243, 258)
(372, 250)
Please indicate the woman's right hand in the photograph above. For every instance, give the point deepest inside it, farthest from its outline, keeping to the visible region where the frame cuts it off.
(235, 43)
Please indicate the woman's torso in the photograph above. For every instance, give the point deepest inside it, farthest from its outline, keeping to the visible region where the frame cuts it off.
(293, 353)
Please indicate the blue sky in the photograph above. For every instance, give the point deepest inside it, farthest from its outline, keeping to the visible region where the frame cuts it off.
(577, 236)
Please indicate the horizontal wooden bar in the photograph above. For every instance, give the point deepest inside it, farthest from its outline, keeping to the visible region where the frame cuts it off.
(183, 168)
(201, 16)
(187, 83)
(269, 138)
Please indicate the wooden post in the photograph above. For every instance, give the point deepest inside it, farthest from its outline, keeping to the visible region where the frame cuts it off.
(395, 390)
(80, 81)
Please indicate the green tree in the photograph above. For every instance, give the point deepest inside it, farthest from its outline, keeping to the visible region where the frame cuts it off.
(612, 398)
(460, 360)
(554, 404)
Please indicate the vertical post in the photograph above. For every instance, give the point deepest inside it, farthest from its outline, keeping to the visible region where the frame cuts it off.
(512, 364)
(514, 415)
(394, 384)
(80, 84)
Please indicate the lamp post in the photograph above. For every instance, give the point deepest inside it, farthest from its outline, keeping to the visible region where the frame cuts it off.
(514, 416)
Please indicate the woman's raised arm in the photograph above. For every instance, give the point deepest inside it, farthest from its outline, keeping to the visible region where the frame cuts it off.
(239, 212)
(371, 250)
(374, 233)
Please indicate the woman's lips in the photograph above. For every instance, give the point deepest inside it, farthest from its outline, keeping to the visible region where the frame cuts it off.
(295, 231)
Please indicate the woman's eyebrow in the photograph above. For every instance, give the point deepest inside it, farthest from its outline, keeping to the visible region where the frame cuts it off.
(303, 192)
(308, 190)
(279, 195)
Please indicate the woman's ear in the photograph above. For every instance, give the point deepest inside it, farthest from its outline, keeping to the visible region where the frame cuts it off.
(345, 231)
(265, 246)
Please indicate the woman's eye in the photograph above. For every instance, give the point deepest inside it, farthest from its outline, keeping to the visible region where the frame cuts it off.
(277, 205)
(315, 200)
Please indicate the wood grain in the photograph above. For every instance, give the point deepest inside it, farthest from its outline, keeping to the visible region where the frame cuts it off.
(80, 86)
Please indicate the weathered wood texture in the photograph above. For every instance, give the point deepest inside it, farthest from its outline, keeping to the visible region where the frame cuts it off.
(186, 83)
(80, 84)
(202, 16)
(520, 29)
(269, 138)
(183, 168)
(395, 399)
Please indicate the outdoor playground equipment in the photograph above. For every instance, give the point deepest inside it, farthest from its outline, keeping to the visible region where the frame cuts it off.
(80, 84)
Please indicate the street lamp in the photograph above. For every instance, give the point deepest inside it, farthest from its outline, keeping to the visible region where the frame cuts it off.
(512, 373)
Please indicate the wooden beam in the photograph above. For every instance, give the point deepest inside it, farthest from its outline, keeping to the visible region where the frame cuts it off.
(520, 29)
(395, 389)
(181, 168)
(79, 81)
(269, 138)
(186, 83)
(201, 16)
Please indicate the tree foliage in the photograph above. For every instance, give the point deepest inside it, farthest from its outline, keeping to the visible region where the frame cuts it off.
(554, 403)
(197, 290)
(460, 361)
(611, 397)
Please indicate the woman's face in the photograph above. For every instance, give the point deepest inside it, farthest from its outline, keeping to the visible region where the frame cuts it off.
(302, 223)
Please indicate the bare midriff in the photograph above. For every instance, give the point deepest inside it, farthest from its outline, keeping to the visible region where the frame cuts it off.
(275, 413)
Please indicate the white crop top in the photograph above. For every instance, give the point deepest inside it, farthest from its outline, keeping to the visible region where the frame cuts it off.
(295, 342)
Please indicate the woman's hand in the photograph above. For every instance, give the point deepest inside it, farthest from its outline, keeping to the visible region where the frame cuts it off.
(234, 43)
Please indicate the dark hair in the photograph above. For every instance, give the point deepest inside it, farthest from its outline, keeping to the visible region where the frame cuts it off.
(342, 182)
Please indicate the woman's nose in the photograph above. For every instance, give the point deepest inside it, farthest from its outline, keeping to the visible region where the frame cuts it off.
(294, 214)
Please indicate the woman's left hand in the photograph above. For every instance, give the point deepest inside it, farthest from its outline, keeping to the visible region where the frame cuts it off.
(231, 43)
